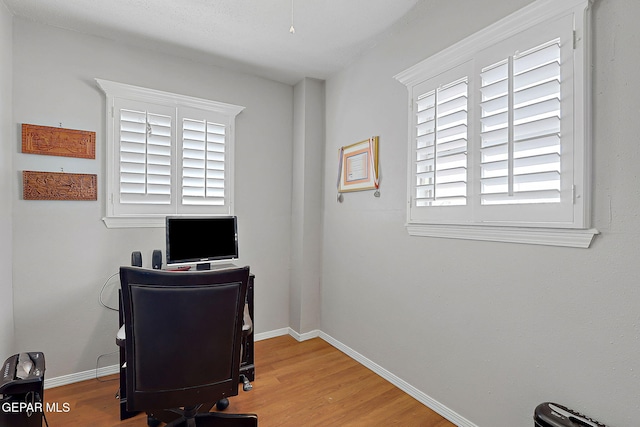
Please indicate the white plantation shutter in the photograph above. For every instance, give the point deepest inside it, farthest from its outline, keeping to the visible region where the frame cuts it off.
(203, 163)
(441, 146)
(145, 157)
(528, 142)
(143, 163)
(520, 128)
(205, 158)
(440, 138)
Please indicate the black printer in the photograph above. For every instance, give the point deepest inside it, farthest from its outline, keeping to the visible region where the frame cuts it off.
(21, 390)
(554, 415)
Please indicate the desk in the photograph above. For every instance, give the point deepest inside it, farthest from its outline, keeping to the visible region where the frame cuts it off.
(247, 366)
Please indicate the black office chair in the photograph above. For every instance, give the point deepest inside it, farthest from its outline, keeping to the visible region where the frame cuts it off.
(183, 337)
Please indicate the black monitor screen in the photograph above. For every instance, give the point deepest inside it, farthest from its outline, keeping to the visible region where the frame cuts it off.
(196, 239)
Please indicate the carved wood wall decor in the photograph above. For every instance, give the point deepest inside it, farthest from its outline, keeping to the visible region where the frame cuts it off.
(59, 186)
(54, 141)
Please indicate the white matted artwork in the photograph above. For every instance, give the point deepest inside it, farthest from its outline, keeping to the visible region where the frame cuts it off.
(358, 166)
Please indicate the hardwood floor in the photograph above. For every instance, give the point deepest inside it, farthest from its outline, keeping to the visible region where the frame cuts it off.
(298, 384)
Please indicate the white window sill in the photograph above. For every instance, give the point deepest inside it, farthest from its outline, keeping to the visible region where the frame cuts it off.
(575, 238)
(134, 222)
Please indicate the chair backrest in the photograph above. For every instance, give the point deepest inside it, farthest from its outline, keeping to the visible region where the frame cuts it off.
(183, 335)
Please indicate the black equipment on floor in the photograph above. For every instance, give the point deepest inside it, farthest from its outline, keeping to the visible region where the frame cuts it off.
(21, 390)
(554, 415)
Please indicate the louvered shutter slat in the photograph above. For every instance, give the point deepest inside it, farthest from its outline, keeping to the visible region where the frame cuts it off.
(536, 128)
(494, 153)
(534, 58)
(537, 76)
(494, 169)
(535, 146)
(551, 196)
(194, 154)
(132, 136)
(494, 121)
(215, 157)
(537, 111)
(536, 93)
(495, 90)
(494, 137)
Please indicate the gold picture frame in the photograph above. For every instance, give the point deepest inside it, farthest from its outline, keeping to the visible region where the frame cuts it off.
(358, 166)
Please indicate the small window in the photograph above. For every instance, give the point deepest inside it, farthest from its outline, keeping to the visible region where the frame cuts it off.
(499, 132)
(166, 154)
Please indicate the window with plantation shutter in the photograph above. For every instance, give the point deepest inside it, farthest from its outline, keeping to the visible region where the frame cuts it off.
(499, 132)
(166, 154)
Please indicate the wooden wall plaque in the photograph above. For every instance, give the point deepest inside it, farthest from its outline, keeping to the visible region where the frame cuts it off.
(54, 141)
(59, 186)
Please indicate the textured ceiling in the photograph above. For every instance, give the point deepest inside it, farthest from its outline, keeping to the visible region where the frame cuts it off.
(247, 35)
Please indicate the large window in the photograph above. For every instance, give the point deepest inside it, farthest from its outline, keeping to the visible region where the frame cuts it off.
(499, 138)
(166, 154)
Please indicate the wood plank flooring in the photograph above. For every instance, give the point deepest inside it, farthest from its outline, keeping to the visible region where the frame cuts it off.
(298, 384)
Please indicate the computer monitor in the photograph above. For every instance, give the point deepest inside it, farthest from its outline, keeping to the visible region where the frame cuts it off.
(201, 240)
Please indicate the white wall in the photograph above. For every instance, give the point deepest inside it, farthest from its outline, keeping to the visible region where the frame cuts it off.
(488, 329)
(306, 201)
(62, 251)
(7, 130)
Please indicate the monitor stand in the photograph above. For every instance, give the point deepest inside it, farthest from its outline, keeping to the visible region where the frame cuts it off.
(214, 266)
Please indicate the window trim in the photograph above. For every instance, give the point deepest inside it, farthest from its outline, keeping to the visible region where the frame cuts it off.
(567, 237)
(578, 234)
(115, 90)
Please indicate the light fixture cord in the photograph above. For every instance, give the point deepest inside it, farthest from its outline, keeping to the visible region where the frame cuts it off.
(292, 30)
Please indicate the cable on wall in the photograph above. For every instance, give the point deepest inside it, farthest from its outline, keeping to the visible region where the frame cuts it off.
(292, 30)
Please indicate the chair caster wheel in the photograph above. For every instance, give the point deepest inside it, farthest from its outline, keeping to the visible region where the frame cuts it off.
(222, 404)
(246, 385)
(152, 422)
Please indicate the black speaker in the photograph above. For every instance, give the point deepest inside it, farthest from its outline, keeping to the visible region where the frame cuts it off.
(136, 259)
(156, 259)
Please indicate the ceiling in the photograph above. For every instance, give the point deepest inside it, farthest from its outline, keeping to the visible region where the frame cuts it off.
(246, 35)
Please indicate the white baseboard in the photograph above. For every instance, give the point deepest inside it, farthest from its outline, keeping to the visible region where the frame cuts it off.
(80, 376)
(421, 397)
(271, 334)
(287, 331)
(305, 336)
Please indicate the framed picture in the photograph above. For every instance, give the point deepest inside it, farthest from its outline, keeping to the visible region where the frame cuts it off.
(59, 186)
(358, 166)
(53, 141)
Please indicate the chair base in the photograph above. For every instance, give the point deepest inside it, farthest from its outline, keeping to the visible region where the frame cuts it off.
(155, 418)
(216, 419)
